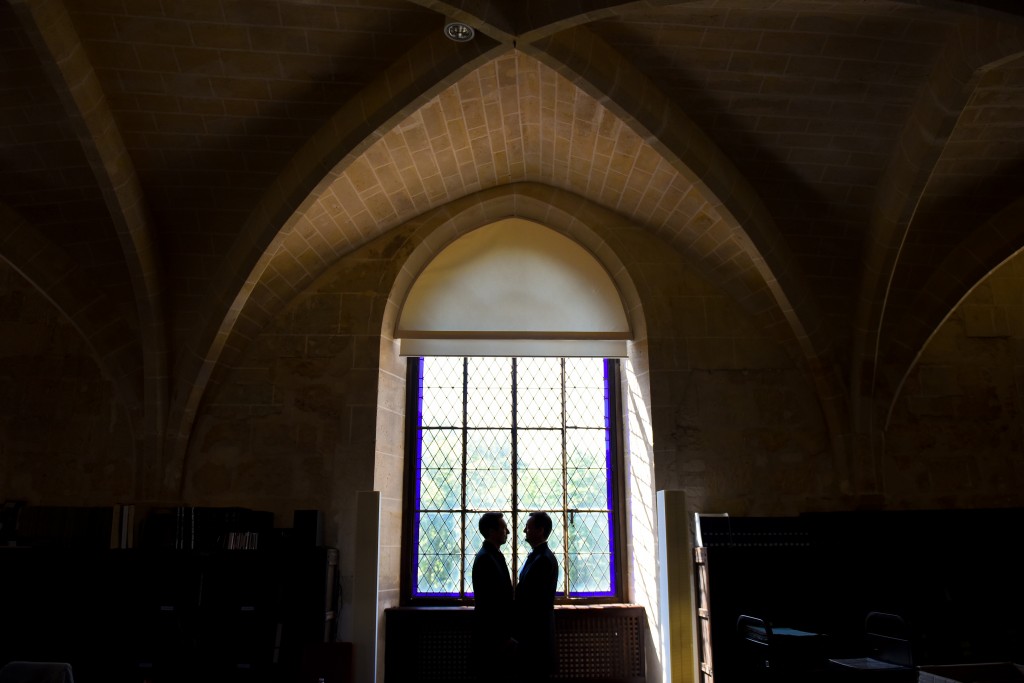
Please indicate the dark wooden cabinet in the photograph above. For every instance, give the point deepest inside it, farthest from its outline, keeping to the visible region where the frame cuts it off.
(168, 616)
(595, 643)
(953, 576)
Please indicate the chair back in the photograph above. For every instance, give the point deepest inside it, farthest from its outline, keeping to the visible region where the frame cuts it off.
(888, 639)
(755, 640)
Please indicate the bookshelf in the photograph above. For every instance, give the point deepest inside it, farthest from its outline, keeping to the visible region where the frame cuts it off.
(186, 605)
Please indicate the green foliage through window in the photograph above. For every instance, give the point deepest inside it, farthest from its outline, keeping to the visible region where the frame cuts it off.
(513, 435)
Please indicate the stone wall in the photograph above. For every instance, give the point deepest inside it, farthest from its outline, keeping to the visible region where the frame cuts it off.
(294, 425)
(64, 438)
(735, 422)
(955, 436)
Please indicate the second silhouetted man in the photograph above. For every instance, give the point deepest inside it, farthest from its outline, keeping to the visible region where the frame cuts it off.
(535, 603)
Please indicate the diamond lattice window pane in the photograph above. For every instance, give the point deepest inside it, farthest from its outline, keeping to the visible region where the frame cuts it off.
(539, 397)
(490, 372)
(488, 448)
(557, 464)
(488, 489)
(440, 489)
(586, 448)
(543, 373)
(440, 448)
(442, 372)
(585, 373)
(441, 393)
(489, 469)
(539, 479)
(588, 532)
(539, 408)
(539, 448)
(441, 407)
(587, 489)
(590, 552)
(539, 489)
(439, 553)
(472, 541)
(584, 407)
(467, 568)
(590, 574)
(489, 393)
(488, 408)
(584, 392)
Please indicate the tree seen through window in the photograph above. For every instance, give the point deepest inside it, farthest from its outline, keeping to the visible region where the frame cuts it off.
(513, 435)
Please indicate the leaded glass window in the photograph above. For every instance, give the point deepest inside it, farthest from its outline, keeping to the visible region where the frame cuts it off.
(513, 435)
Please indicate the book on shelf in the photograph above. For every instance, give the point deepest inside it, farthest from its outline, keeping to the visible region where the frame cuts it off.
(205, 529)
(125, 526)
(115, 527)
(65, 526)
(9, 521)
(158, 527)
(122, 526)
(243, 540)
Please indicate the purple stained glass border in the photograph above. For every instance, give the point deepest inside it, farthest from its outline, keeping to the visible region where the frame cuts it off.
(608, 488)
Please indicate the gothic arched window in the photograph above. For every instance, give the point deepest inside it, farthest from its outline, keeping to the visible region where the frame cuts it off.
(512, 335)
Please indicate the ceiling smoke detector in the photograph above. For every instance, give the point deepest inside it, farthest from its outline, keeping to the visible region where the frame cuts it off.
(459, 32)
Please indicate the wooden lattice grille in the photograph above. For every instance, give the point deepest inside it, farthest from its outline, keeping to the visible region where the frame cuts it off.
(443, 655)
(593, 645)
(603, 643)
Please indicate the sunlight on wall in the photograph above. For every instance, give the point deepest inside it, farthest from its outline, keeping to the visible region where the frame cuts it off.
(389, 458)
(642, 518)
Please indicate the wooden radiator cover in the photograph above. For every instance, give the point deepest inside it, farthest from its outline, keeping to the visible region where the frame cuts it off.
(595, 643)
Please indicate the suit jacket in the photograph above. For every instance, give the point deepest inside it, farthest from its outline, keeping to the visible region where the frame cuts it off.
(492, 596)
(535, 609)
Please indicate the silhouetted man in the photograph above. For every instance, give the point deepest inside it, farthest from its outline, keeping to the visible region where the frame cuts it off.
(493, 645)
(535, 603)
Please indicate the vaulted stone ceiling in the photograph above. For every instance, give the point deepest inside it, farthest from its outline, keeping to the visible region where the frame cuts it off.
(174, 171)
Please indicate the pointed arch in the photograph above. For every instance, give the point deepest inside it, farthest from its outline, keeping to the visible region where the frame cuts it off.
(594, 228)
(490, 293)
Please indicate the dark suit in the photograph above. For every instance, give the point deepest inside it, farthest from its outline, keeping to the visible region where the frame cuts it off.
(535, 612)
(492, 610)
